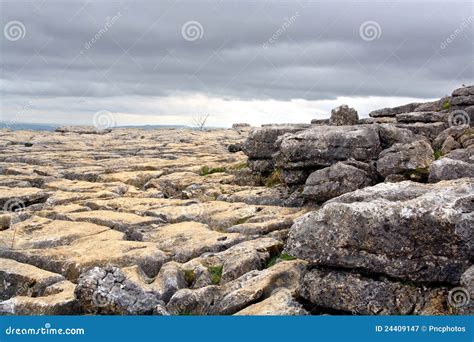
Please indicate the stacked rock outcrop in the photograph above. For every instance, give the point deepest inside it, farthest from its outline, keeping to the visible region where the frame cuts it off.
(343, 154)
(394, 230)
(262, 143)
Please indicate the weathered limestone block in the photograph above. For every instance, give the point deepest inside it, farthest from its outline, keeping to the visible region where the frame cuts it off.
(323, 146)
(446, 169)
(405, 158)
(336, 180)
(344, 115)
(406, 230)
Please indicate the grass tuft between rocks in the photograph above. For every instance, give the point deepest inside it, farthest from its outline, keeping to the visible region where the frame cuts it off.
(446, 104)
(206, 170)
(216, 274)
(189, 276)
(243, 220)
(437, 154)
(273, 179)
(273, 260)
(240, 166)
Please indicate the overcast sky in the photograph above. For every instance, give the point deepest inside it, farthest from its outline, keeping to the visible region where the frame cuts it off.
(163, 62)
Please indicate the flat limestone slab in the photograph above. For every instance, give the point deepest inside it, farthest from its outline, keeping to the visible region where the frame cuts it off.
(22, 196)
(113, 219)
(58, 299)
(98, 250)
(188, 240)
(39, 232)
(23, 279)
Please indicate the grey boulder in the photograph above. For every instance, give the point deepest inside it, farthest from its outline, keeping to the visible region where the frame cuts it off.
(446, 169)
(322, 146)
(390, 135)
(111, 291)
(357, 294)
(429, 130)
(422, 117)
(260, 142)
(336, 180)
(405, 158)
(407, 230)
(394, 111)
(344, 115)
(467, 100)
(464, 91)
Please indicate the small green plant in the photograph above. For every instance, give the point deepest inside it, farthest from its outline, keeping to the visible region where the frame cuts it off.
(446, 104)
(206, 170)
(422, 171)
(273, 179)
(273, 260)
(216, 274)
(285, 256)
(437, 154)
(189, 276)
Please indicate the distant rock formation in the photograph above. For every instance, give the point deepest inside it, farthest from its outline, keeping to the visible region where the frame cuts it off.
(240, 126)
(83, 130)
(343, 115)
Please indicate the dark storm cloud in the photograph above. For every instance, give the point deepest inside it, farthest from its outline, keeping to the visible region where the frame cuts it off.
(249, 49)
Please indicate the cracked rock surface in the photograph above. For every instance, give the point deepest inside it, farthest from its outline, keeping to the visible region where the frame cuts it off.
(120, 222)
